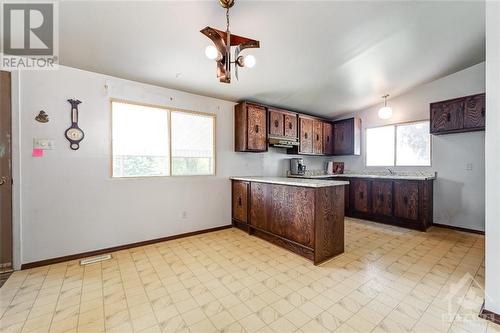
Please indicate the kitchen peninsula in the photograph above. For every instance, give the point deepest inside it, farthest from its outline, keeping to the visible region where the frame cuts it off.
(305, 216)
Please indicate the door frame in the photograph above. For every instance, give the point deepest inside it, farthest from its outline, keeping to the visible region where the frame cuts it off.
(16, 168)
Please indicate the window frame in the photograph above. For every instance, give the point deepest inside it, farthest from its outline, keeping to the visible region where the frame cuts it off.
(396, 125)
(169, 113)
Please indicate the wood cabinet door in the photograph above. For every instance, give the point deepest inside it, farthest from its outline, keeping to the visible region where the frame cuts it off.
(327, 139)
(317, 137)
(257, 138)
(306, 135)
(259, 205)
(343, 142)
(240, 200)
(382, 197)
(276, 123)
(447, 116)
(290, 126)
(475, 111)
(360, 195)
(406, 199)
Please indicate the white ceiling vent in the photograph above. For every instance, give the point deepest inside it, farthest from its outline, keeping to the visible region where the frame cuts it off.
(96, 259)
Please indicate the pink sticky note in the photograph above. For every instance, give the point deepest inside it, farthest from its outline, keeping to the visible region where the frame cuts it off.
(37, 152)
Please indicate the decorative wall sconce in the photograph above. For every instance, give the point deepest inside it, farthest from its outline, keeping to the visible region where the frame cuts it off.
(221, 50)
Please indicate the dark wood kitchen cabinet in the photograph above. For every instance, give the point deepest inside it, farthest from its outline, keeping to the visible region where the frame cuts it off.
(250, 123)
(282, 124)
(306, 220)
(240, 200)
(382, 197)
(405, 203)
(458, 115)
(406, 200)
(360, 195)
(317, 137)
(327, 138)
(347, 137)
(306, 135)
(475, 112)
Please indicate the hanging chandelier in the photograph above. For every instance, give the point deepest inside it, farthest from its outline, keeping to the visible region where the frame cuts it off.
(221, 50)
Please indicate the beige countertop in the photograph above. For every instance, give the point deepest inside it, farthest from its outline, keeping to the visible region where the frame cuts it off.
(363, 175)
(303, 182)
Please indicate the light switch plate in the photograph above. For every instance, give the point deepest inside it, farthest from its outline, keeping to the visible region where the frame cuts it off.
(45, 144)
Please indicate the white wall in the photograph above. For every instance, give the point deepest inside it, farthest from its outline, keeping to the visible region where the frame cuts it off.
(492, 156)
(70, 204)
(458, 193)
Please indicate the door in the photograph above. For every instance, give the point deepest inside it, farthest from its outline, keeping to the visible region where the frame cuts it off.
(406, 200)
(306, 128)
(382, 197)
(360, 195)
(291, 126)
(257, 138)
(475, 111)
(276, 126)
(317, 137)
(5, 174)
(447, 116)
(327, 139)
(240, 200)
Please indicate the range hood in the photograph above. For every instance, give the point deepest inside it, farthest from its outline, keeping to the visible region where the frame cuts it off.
(283, 142)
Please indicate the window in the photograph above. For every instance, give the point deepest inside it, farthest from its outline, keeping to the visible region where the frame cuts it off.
(153, 141)
(399, 145)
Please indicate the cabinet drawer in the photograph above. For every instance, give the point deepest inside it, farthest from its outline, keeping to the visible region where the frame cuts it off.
(406, 200)
(240, 200)
(382, 197)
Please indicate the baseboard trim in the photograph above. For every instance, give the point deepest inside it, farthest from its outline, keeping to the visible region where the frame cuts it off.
(488, 315)
(117, 248)
(458, 228)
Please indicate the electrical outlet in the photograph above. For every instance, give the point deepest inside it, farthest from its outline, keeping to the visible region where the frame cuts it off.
(45, 144)
(468, 167)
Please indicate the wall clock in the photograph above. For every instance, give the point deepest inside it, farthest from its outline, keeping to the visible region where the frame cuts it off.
(74, 134)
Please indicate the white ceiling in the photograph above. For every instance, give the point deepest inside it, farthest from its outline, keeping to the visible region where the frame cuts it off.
(322, 57)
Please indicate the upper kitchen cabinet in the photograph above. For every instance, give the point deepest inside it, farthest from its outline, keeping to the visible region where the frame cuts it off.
(457, 115)
(311, 136)
(306, 135)
(347, 137)
(250, 123)
(282, 124)
(327, 138)
(317, 137)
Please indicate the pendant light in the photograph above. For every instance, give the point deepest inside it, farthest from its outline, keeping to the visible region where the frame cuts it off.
(385, 112)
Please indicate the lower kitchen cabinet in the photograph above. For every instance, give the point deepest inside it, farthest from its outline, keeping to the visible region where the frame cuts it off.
(240, 201)
(405, 203)
(382, 197)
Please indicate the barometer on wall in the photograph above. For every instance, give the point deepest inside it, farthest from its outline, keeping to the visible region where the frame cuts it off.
(74, 134)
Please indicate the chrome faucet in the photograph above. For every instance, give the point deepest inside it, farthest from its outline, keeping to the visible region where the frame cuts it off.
(390, 171)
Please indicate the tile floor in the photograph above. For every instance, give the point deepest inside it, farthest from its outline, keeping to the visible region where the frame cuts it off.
(388, 280)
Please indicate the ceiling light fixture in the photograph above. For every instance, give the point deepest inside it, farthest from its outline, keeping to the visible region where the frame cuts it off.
(385, 112)
(221, 50)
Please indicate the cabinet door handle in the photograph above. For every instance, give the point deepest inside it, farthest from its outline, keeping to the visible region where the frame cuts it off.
(290, 125)
(381, 197)
(405, 200)
(448, 116)
(342, 137)
(256, 128)
(276, 123)
(483, 112)
(361, 195)
(327, 138)
(239, 201)
(305, 135)
(317, 137)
